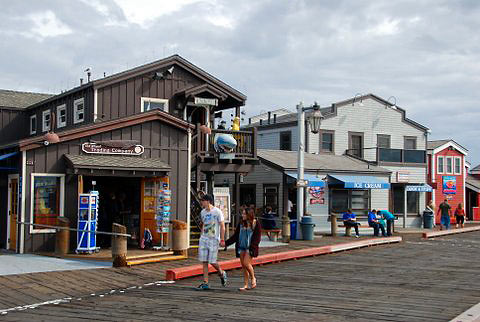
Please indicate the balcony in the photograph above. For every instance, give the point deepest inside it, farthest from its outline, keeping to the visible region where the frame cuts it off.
(384, 155)
(240, 158)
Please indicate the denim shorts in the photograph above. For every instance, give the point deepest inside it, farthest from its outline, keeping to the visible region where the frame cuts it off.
(445, 220)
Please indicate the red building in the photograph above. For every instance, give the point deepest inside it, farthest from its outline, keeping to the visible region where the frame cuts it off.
(447, 172)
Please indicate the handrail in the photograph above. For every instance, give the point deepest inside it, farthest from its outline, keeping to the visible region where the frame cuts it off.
(73, 229)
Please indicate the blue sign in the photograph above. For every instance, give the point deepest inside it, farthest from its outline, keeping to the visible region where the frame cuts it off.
(367, 185)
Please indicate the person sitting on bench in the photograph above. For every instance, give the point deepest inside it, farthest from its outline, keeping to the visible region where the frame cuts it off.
(375, 224)
(350, 220)
(268, 221)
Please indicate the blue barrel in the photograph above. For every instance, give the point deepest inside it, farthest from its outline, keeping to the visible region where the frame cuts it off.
(293, 229)
(428, 219)
(307, 226)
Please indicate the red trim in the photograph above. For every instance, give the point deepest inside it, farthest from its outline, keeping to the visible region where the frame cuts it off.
(450, 232)
(196, 270)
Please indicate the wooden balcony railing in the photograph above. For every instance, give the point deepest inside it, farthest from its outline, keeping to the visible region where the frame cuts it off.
(203, 145)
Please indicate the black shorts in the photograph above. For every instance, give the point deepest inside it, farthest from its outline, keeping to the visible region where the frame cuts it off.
(460, 219)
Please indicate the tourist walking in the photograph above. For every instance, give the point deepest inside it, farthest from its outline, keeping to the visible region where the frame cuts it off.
(445, 212)
(460, 216)
(247, 237)
(213, 232)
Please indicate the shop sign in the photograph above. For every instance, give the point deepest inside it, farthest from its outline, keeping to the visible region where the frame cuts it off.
(302, 183)
(366, 185)
(320, 201)
(95, 148)
(449, 185)
(421, 188)
(221, 196)
(206, 101)
(403, 176)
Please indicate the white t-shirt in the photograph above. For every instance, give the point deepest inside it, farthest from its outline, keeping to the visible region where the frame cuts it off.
(211, 223)
(290, 206)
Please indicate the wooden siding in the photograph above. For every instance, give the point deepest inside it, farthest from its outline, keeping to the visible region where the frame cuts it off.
(160, 141)
(123, 98)
(371, 119)
(13, 125)
(270, 139)
(415, 174)
(86, 94)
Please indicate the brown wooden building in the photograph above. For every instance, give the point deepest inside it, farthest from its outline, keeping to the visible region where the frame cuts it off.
(156, 108)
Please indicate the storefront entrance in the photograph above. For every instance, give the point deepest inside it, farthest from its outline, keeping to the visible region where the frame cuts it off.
(12, 211)
(119, 203)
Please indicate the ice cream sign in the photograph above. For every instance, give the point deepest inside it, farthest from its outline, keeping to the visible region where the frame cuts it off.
(449, 185)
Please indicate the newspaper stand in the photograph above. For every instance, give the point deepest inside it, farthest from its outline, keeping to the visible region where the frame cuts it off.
(87, 222)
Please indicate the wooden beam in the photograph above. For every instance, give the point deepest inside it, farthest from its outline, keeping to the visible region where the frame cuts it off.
(224, 167)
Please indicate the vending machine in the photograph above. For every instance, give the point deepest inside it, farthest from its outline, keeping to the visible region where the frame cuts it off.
(87, 222)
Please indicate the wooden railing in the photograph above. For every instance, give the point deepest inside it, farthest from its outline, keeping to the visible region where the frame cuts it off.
(203, 145)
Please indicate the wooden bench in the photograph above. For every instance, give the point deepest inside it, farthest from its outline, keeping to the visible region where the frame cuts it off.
(348, 230)
(272, 234)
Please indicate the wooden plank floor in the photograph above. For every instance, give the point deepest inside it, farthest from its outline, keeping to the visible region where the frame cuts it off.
(418, 280)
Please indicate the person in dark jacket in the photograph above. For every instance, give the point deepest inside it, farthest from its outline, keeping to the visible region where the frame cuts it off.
(247, 238)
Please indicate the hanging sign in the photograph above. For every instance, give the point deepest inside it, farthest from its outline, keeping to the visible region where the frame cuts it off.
(95, 148)
(206, 101)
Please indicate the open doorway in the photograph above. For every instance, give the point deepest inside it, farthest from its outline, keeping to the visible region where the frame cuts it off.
(119, 203)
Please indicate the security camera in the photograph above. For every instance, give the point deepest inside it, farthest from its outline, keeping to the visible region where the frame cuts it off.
(170, 70)
(46, 143)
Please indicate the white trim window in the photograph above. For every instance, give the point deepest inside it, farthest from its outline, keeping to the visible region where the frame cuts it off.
(440, 165)
(33, 124)
(449, 165)
(78, 111)
(46, 120)
(149, 103)
(457, 166)
(47, 194)
(61, 116)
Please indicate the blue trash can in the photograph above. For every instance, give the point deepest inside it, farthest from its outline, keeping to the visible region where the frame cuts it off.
(307, 226)
(293, 229)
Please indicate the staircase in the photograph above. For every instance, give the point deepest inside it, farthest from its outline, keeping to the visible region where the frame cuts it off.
(195, 219)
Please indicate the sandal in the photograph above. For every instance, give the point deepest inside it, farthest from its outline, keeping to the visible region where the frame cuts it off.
(254, 285)
(243, 289)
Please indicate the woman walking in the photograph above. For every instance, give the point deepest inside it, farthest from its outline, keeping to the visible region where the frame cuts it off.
(460, 215)
(246, 238)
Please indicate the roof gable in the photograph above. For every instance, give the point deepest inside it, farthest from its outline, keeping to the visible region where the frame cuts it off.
(440, 145)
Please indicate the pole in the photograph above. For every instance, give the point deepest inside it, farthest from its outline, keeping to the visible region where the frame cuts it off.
(405, 208)
(300, 163)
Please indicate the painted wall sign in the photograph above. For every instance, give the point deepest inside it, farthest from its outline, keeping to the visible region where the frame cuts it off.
(403, 176)
(206, 101)
(449, 185)
(95, 148)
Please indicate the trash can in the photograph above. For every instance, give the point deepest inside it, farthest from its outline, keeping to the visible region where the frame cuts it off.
(307, 227)
(179, 237)
(293, 229)
(428, 219)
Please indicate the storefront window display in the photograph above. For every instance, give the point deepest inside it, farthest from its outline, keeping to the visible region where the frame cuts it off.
(47, 197)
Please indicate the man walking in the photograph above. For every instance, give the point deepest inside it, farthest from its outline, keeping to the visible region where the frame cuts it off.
(446, 212)
(213, 232)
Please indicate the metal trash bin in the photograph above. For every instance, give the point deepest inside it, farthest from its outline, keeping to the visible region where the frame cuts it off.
(307, 226)
(428, 219)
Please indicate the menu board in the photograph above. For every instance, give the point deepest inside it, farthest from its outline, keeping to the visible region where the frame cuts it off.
(222, 201)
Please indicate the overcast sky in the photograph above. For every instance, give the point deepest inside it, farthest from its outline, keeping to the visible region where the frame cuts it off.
(424, 53)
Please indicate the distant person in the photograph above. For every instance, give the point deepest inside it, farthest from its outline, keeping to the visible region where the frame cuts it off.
(445, 212)
(247, 236)
(460, 216)
(390, 218)
(213, 232)
(374, 222)
(268, 221)
(289, 209)
(350, 220)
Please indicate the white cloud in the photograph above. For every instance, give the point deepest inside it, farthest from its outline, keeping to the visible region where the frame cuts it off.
(143, 12)
(386, 28)
(46, 24)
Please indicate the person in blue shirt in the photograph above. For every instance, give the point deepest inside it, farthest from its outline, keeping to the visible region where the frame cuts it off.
(350, 220)
(373, 222)
(390, 218)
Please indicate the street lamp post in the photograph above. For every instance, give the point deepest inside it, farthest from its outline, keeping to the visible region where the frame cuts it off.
(314, 121)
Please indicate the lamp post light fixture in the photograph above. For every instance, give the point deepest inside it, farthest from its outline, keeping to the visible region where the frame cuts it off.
(314, 121)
